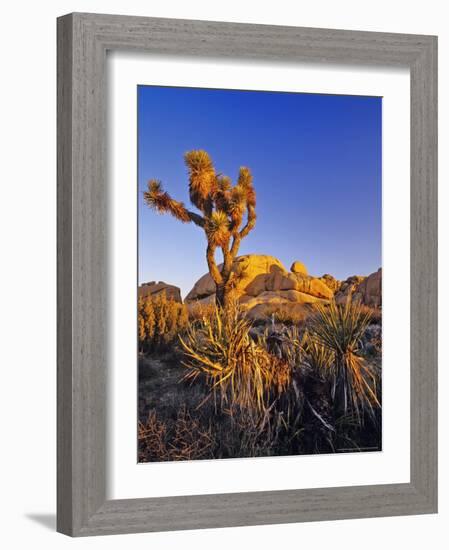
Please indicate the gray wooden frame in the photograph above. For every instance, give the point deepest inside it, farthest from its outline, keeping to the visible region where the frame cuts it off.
(83, 40)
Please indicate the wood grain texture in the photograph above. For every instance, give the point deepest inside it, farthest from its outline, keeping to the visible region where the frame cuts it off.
(424, 277)
(83, 40)
(64, 277)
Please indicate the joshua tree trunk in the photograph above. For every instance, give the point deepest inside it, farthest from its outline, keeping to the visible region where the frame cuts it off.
(222, 279)
(223, 295)
(220, 296)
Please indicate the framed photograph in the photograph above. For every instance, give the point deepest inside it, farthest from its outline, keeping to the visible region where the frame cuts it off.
(247, 274)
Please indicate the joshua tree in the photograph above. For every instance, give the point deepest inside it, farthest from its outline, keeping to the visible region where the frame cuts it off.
(224, 209)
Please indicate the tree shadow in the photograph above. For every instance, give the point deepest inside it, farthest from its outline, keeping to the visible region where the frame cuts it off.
(46, 520)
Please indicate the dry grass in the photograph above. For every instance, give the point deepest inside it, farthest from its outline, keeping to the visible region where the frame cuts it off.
(288, 316)
(239, 371)
(183, 439)
(288, 390)
(375, 314)
(199, 312)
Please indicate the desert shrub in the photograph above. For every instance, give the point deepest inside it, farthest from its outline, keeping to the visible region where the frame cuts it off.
(239, 371)
(160, 321)
(288, 316)
(279, 390)
(152, 438)
(339, 329)
(184, 438)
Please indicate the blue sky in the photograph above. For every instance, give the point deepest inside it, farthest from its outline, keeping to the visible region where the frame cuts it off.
(316, 163)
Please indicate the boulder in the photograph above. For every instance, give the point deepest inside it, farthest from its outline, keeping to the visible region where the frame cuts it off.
(278, 281)
(330, 281)
(295, 281)
(203, 288)
(298, 267)
(371, 289)
(153, 288)
(249, 274)
(280, 297)
(348, 290)
(366, 290)
(255, 274)
(313, 286)
(253, 270)
(261, 283)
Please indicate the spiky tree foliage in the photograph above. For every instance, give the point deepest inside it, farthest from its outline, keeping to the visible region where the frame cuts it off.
(227, 212)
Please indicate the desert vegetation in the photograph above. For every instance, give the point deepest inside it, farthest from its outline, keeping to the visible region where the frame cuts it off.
(257, 360)
(237, 390)
(160, 321)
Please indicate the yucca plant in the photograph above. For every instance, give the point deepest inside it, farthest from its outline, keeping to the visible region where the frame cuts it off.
(339, 328)
(238, 370)
(282, 342)
(227, 213)
(315, 356)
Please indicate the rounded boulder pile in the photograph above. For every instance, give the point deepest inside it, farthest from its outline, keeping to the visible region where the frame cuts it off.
(262, 284)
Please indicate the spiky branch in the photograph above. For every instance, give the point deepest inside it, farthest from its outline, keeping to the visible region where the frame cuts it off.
(228, 212)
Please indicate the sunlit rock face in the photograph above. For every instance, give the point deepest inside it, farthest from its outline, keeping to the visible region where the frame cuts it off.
(299, 267)
(261, 283)
(249, 272)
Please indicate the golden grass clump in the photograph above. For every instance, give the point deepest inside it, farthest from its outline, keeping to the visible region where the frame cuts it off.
(238, 370)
